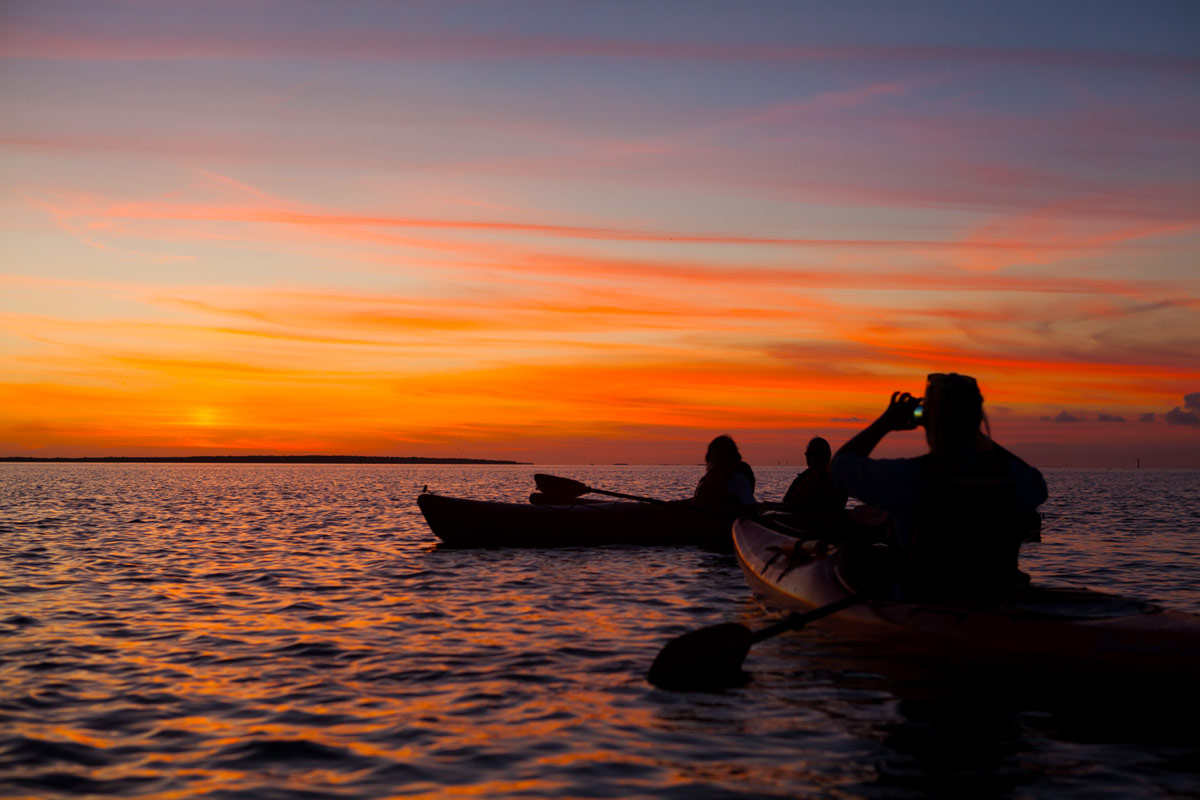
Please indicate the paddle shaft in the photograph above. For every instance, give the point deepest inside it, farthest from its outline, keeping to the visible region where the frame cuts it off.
(713, 656)
(553, 485)
(627, 496)
(794, 621)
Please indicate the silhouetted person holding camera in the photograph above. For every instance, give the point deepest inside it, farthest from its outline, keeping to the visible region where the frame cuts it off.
(960, 512)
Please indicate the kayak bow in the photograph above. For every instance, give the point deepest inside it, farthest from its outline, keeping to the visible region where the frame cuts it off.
(1042, 626)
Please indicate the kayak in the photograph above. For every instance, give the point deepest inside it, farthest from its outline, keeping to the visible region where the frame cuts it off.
(587, 523)
(1039, 627)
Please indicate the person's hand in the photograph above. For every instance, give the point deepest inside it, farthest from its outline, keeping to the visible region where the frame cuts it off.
(899, 413)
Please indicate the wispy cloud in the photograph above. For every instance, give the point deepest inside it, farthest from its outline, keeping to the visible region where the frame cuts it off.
(101, 42)
(104, 220)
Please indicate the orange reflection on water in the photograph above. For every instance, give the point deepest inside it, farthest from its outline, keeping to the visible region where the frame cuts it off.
(81, 737)
(205, 781)
(486, 789)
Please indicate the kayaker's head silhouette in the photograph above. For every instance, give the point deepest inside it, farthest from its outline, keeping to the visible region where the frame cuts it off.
(953, 412)
(818, 453)
(722, 452)
(728, 481)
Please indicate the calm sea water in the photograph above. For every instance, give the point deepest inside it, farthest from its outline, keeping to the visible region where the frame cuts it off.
(222, 631)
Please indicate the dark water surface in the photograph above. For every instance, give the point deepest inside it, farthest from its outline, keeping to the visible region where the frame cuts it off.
(221, 631)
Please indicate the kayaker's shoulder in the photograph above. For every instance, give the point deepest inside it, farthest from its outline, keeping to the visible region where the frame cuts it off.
(850, 467)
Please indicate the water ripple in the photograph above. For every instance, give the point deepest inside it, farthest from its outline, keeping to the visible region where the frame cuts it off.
(224, 631)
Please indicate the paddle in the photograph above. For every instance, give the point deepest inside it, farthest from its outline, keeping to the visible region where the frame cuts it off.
(711, 658)
(568, 488)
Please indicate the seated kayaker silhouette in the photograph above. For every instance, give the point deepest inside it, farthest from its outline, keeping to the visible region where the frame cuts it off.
(960, 512)
(815, 506)
(812, 491)
(727, 485)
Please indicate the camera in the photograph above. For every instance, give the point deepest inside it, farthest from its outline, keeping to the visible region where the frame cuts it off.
(918, 416)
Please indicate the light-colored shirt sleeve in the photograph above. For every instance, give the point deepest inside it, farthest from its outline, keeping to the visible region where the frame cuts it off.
(893, 484)
(889, 483)
(740, 488)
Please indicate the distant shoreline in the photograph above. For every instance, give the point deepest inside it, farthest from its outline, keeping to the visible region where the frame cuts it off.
(254, 460)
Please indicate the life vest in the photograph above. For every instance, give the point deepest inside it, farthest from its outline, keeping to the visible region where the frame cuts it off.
(712, 492)
(966, 532)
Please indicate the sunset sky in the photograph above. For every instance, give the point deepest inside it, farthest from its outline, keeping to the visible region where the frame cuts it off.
(595, 232)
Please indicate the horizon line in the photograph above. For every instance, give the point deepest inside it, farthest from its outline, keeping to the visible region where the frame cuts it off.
(263, 459)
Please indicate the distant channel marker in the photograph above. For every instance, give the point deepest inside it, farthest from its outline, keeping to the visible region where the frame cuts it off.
(256, 460)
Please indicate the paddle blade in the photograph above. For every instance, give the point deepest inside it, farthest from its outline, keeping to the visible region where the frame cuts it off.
(559, 487)
(709, 658)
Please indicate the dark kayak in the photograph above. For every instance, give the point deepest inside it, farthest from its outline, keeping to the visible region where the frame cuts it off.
(480, 523)
(1076, 629)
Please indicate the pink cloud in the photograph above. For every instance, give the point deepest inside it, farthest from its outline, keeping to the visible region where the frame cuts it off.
(1045, 231)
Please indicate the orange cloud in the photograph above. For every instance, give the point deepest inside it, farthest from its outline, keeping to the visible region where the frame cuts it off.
(1053, 233)
(1033, 232)
(507, 247)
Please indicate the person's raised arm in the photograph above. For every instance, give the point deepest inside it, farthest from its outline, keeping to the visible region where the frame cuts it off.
(897, 417)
